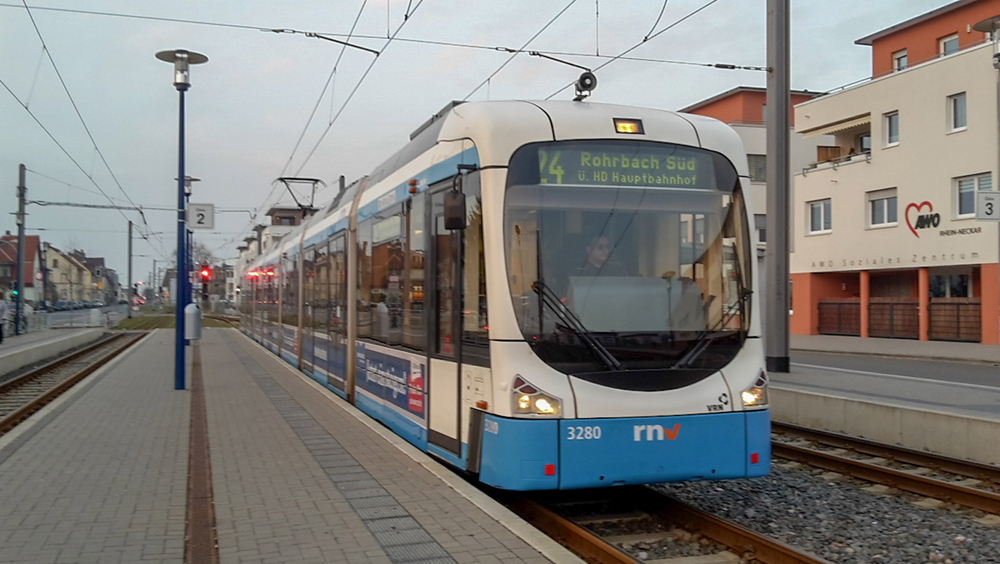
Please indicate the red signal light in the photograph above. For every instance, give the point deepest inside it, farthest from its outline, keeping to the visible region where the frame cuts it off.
(206, 273)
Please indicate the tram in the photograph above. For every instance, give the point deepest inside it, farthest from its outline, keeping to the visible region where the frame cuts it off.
(546, 295)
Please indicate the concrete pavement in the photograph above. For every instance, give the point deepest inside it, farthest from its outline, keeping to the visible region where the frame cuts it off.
(908, 348)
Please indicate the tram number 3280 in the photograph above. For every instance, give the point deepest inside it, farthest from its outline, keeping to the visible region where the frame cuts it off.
(583, 433)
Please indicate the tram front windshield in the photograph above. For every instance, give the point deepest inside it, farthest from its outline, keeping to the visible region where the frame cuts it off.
(627, 256)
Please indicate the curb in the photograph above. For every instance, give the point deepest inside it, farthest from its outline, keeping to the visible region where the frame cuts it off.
(964, 360)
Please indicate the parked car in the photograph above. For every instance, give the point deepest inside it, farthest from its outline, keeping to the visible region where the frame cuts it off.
(61, 305)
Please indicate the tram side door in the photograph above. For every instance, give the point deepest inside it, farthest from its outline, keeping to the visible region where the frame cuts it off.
(443, 382)
(309, 302)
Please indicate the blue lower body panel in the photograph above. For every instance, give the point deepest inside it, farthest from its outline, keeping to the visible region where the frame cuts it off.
(536, 454)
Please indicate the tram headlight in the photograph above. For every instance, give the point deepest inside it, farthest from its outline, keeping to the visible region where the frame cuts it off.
(756, 395)
(529, 400)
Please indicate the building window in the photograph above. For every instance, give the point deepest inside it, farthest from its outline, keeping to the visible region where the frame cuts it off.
(760, 222)
(865, 142)
(758, 168)
(819, 217)
(892, 129)
(899, 60)
(882, 208)
(956, 112)
(55, 263)
(965, 191)
(949, 286)
(948, 45)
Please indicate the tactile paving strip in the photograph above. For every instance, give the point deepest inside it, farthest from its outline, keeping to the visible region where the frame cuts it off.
(397, 532)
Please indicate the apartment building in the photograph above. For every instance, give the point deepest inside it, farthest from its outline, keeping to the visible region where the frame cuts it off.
(743, 108)
(886, 242)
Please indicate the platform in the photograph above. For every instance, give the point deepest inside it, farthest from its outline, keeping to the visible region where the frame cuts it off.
(297, 474)
(19, 351)
(952, 418)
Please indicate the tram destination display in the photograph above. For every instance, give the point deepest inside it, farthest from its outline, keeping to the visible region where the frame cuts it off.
(671, 168)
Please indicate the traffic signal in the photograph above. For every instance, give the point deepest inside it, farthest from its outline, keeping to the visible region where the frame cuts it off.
(206, 275)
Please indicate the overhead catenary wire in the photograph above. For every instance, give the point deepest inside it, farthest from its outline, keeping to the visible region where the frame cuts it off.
(343, 106)
(75, 162)
(355, 90)
(319, 100)
(641, 43)
(435, 42)
(515, 53)
(86, 128)
(68, 184)
(44, 203)
(657, 22)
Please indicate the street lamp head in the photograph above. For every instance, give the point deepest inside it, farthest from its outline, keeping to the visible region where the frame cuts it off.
(188, 180)
(987, 25)
(182, 59)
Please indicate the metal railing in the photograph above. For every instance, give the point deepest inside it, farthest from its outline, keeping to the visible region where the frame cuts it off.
(837, 162)
(106, 317)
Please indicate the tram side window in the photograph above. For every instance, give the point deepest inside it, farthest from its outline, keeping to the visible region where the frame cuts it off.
(309, 289)
(365, 277)
(321, 289)
(338, 287)
(475, 335)
(387, 273)
(289, 294)
(413, 285)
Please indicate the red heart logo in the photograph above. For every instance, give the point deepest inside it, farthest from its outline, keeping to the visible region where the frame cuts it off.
(917, 207)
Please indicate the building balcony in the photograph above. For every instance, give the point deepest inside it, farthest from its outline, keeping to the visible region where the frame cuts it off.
(835, 156)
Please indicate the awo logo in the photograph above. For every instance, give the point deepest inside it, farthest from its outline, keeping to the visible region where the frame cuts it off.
(654, 432)
(922, 220)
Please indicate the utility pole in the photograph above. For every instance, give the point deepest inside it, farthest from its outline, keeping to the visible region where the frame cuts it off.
(777, 116)
(131, 294)
(45, 275)
(156, 283)
(22, 194)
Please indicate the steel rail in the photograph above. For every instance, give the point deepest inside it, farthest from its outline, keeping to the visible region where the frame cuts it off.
(738, 538)
(574, 537)
(969, 468)
(55, 363)
(27, 409)
(900, 479)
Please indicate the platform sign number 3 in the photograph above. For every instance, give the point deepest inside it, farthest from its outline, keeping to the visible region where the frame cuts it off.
(988, 206)
(201, 216)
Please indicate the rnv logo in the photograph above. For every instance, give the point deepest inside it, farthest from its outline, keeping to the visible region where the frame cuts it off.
(654, 432)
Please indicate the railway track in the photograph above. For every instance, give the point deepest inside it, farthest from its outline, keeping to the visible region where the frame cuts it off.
(576, 520)
(29, 392)
(962, 482)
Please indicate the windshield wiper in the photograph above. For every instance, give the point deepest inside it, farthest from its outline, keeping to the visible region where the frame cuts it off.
(708, 335)
(573, 322)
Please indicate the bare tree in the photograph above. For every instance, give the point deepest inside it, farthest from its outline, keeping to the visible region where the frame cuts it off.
(201, 253)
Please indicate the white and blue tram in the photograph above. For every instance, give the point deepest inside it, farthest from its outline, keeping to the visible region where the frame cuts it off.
(548, 295)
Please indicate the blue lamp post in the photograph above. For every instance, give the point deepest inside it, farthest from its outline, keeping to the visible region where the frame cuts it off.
(181, 60)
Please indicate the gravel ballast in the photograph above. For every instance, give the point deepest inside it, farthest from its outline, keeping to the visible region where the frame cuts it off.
(838, 521)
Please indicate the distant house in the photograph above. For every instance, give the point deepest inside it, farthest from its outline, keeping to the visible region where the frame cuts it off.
(32, 266)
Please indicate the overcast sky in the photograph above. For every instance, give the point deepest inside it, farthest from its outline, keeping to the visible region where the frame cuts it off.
(251, 102)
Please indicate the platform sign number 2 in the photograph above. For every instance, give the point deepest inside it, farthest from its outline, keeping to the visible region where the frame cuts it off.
(201, 216)
(988, 206)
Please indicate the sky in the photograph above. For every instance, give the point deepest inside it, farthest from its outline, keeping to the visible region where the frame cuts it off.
(248, 113)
